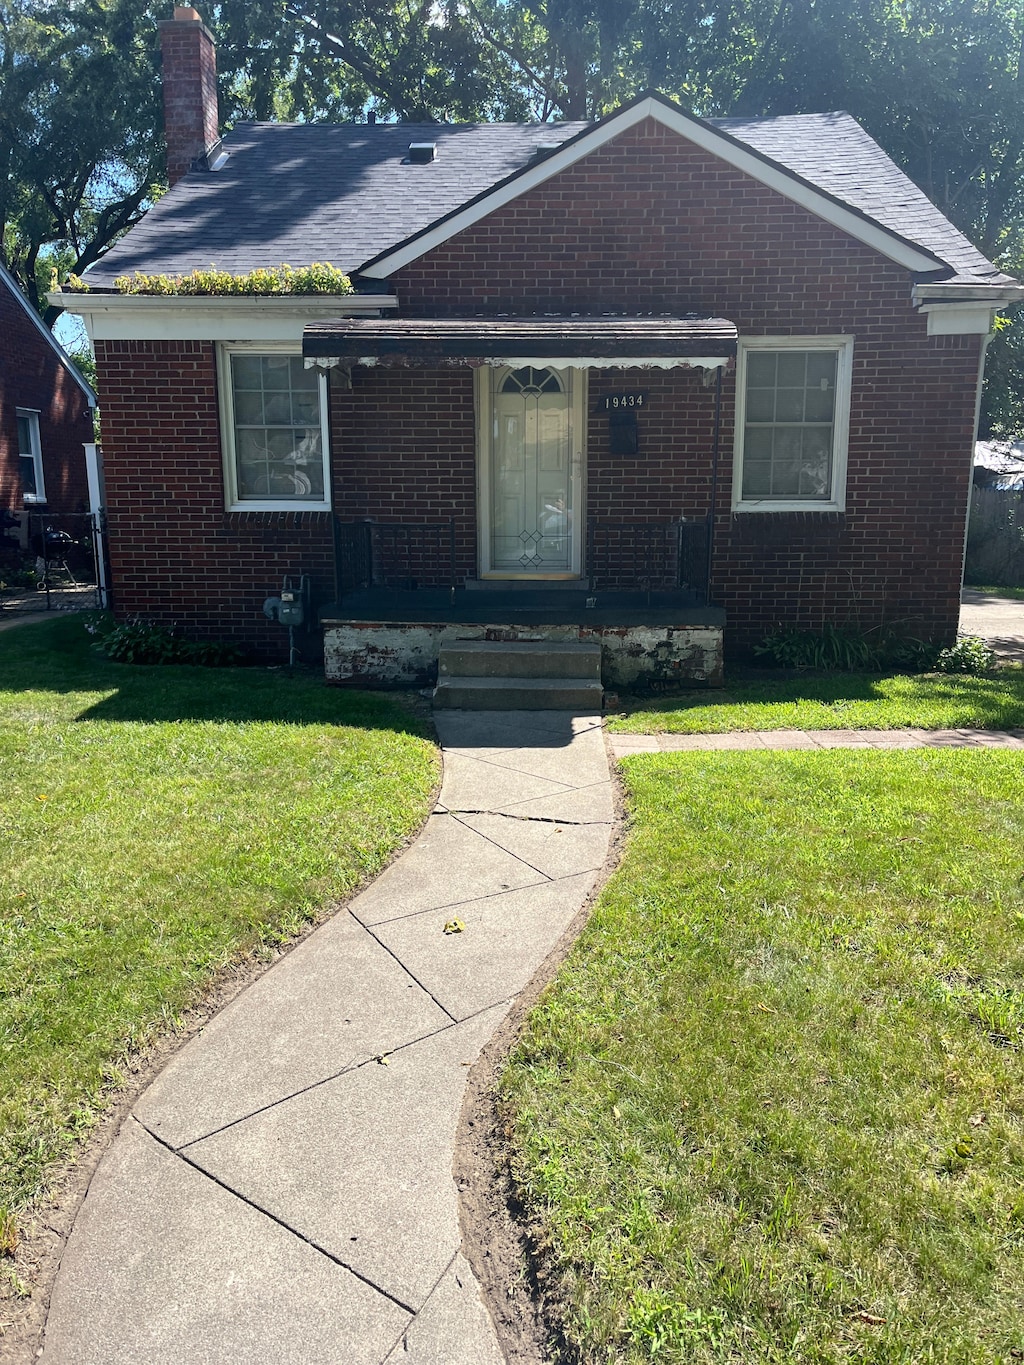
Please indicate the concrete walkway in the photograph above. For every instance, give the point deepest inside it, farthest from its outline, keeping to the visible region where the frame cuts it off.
(283, 1191)
(621, 746)
(999, 620)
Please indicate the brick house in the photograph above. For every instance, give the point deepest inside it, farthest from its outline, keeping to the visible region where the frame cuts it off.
(657, 383)
(45, 413)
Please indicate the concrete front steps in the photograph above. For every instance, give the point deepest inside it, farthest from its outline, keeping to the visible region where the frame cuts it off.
(493, 675)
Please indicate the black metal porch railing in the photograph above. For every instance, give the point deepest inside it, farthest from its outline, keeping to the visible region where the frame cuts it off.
(649, 556)
(394, 554)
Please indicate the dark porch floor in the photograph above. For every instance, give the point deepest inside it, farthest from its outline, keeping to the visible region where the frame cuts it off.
(523, 607)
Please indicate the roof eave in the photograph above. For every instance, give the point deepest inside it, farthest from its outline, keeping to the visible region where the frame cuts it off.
(743, 157)
(1002, 295)
(62, 355)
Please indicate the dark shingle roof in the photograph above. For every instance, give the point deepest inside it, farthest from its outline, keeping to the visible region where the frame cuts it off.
(834, 152)
(344, 193)
(320, 192)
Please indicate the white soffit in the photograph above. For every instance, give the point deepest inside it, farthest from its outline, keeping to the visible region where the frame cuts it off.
(188, 317)
(954, 319)
(727, 149)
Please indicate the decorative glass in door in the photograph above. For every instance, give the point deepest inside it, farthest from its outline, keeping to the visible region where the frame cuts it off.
(531, 479)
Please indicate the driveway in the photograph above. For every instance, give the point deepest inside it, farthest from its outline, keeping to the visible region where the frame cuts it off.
(999, 620)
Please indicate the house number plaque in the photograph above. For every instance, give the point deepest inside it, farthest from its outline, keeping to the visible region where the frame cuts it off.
(630, 401)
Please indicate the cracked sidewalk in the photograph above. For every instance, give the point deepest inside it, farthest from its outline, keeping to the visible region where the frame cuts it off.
(283, 1190)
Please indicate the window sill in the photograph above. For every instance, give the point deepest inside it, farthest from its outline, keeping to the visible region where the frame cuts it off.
(792, 506)
(266, 505)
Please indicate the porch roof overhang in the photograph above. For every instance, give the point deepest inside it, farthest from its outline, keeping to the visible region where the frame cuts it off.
(549, 341)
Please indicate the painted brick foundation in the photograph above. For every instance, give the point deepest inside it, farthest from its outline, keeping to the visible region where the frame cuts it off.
(369, 653)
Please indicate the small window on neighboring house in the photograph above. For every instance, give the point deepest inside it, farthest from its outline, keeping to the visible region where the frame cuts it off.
(275, 431)
(792, 419)
(30, 456)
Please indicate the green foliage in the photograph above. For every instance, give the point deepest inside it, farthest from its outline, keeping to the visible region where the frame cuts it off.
(80, 141)
(136, 641)
(844, 648)
(318, 278)
(970, 654)
(769, 1109)
(1002, 412)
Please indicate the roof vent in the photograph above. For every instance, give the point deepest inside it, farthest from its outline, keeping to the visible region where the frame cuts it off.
(422, 153)
(543, 148)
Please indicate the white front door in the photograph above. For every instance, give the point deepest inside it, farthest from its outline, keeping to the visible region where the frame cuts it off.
(530, 471)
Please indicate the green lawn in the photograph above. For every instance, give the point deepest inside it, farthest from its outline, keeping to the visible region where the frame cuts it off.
(158, 824)
(837, 701)
(1015, 594)
(772, 1108)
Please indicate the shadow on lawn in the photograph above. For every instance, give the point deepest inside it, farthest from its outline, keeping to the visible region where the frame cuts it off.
(59, 657)
(992, 698)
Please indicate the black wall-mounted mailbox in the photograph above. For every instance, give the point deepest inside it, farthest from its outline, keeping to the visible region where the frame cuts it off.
(623, 438)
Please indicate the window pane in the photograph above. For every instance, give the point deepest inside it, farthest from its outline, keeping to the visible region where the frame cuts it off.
(815, 474)
(761, 369)
(789, 430)
(792, 369)
(789, 405)
(760, 405)
(821, 365)
(28, 475)
(24, 436)
(278, 448)
(757, 478)
(247, 371)
(820, 404)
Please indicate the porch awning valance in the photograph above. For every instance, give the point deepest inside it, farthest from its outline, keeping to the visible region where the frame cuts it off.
(556, 342)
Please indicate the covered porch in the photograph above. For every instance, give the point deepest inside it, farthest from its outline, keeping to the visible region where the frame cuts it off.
(570, 532)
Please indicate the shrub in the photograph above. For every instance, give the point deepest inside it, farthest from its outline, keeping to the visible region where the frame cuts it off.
(970, 654)
(318, 278)
(136, 641)
(845, 649)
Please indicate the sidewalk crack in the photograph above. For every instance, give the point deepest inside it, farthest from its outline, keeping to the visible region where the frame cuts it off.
(280, 1222)
(456, 811)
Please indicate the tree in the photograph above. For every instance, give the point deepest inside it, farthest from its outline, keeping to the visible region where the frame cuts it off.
(79, 114)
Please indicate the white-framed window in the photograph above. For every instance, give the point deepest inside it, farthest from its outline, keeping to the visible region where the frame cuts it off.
(274, 429)
(792, 424)
(30, 456)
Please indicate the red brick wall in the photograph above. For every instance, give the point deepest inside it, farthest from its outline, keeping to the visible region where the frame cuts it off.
(404, 449)
(176, 555)
(32, 376)
(648, 222)
(651, 223)
(189, 78)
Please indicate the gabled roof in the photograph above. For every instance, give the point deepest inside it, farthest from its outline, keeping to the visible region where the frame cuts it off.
(76, 374)
(347, 193)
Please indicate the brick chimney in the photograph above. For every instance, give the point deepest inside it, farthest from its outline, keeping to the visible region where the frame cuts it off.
(191, 122)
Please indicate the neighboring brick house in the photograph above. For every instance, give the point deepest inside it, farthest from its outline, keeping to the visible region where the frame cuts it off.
(633, 382)
(45, 413)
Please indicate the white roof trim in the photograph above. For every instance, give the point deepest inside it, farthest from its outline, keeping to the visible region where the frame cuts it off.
(606, 362)
(44, 331)
(188, 317)
(710, 139)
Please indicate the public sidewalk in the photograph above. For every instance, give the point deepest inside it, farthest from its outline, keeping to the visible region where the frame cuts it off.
(621, 745)
(283, 1191)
